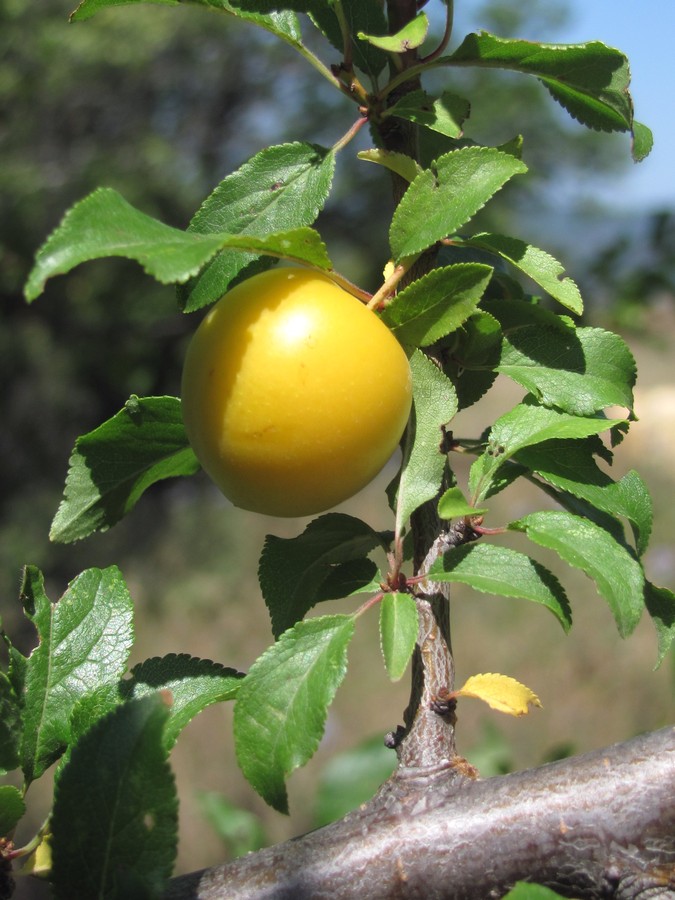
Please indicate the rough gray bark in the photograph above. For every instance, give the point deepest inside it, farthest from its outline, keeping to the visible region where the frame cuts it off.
(595, 826)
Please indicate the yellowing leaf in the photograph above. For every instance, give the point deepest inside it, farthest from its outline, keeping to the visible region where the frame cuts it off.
(501, 693)
(388, 270)
(39, 863)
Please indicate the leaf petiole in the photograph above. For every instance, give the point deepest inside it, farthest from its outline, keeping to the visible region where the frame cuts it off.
(377, 301)
(370, 602)
(349, 135)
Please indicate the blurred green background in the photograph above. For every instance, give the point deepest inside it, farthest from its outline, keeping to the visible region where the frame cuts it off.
(162, 104)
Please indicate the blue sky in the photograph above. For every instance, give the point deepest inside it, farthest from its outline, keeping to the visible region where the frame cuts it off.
(645, 32)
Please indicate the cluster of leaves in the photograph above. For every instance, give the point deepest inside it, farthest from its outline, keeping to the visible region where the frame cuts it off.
(70, 699)
(72, 702)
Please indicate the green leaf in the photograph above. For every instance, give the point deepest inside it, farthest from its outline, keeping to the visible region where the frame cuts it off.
(581, 371)
(643, 141)
(538, 265)
(523, 426)
(475, 353)
(282, 24)
(91, 707)
(113, 465)
(436, 304)
(115, 817)
(10, 726)
(527, 891)
(89, 8)
(445, 114)
(280, 711)
(300, 245)
(589, 80)
(297, 573)
(618, 576)
(279, 189)
(240, 830)
(660, 603)
(453, 505)
(434, 405)
(351, 778)
(446, 195)
(365, 16)
(193, 684)
(412, 35)
(500, 570)
(359, 15)
(571, 466)
(17, 667)
(12, 808)
(85, 641)
(402, 165)
(104, 224)
(356, 576)
(399, 626)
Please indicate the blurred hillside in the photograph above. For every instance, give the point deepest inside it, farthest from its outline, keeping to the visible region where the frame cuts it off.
(162, 104)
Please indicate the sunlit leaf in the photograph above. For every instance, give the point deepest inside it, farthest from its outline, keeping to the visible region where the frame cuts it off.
(571, 466)
(112, 466)
(39, 862)
(589, 80)
(583, 544)
(85, 641)
(434, 405)
(538, 265)
(445, 114)
(579, 370)
(412, 35)
(360, 16)
(193, 684)
(500, 692)
(505, 572)
(399, 626)
(447, 194)
(283, 25)
(454, 505)
(281, 188)
(104, 224)
(643, 141)
(281, 707)
(402, 165)
(523, 426)
(527, 891)
(436, 304)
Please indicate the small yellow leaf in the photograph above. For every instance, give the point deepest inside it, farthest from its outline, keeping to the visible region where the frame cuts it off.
(501, 693)
(388, 270)
(39, 863)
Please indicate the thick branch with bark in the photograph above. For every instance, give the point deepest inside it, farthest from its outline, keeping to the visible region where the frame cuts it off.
(595, 826)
